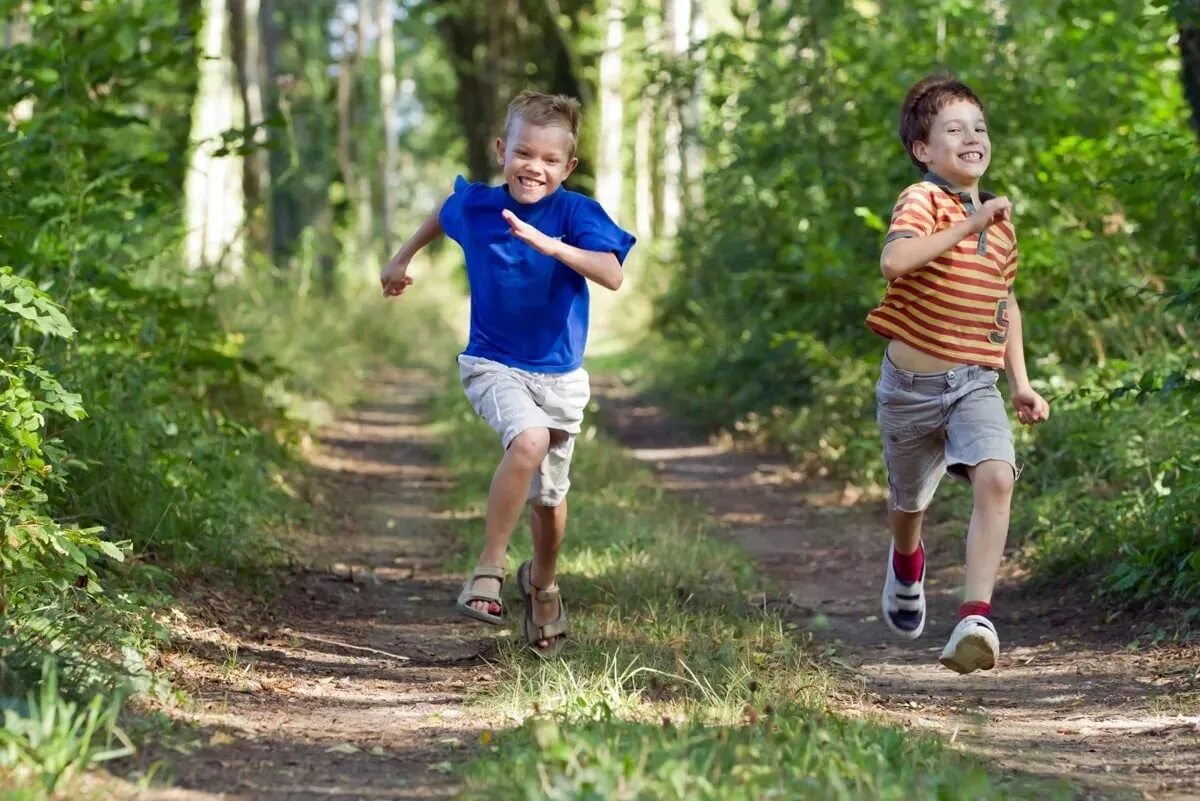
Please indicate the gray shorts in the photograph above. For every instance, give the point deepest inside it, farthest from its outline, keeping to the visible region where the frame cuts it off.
(933, 423)
(512, 401)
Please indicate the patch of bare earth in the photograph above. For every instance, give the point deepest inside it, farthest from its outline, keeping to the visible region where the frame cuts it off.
(1068, 697)
(351, 684)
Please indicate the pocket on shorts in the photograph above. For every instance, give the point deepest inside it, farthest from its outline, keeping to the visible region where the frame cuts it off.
(903, 416)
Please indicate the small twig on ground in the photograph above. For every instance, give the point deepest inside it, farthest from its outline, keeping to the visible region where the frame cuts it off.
(347, 645)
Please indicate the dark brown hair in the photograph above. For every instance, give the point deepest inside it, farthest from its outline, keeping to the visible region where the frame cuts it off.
(539, 108)
(923, 102)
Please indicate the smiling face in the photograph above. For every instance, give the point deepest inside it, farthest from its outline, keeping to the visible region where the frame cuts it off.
(536, 159)
(957, 147)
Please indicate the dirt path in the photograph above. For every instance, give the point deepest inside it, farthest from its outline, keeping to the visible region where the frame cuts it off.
(1069, 696)
(350, 685)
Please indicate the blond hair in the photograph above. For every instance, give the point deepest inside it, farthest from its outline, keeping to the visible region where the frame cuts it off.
(539, 108)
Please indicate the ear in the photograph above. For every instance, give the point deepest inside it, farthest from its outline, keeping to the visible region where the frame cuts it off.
(500, 150)
(571, 165)
(921, 150)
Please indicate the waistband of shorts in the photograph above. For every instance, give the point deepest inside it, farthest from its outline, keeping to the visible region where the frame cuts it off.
(955, 376)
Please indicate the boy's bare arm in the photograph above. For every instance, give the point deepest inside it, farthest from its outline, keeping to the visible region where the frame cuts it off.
(902, 256)
(1030, 406)
(599, 266)
(394, 277)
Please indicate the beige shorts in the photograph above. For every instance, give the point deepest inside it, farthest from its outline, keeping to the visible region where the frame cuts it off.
(512, 401)
(938, 423)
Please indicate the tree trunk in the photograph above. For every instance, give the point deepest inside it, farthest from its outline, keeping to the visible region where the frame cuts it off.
(693, 158)
(676, 23)
(214, 198)
(364, 206)
(387, 109)
(19, 31)
(643, 166)
(284, 216)
(609, 172)
(647, 177)
(1189, 49)
(248, 58)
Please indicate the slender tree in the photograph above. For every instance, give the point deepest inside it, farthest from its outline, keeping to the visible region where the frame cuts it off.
(609, 172)
(215, 199)
(387, 110)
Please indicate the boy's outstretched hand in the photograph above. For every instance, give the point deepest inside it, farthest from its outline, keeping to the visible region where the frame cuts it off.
(528, 234)
(395, 278)
(1031, 407)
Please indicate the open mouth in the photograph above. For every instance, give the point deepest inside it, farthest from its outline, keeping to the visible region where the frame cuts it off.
(972, 156)
(529, 183)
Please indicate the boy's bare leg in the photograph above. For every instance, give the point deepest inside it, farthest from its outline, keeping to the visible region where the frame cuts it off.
(506, 498)
(548, 524)
(906, 529)
(992, 487)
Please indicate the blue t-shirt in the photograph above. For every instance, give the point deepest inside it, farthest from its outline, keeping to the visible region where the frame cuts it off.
(528, 310)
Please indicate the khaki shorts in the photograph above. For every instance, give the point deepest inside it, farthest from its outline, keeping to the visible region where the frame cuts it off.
(512, 401)
(934, 423)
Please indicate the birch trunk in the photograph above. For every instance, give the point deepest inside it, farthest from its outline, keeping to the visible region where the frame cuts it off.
(677, 15)
(387, 109)
(214, 197)
(609, 172)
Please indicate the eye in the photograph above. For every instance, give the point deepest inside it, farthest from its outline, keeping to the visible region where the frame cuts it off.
(954, 129)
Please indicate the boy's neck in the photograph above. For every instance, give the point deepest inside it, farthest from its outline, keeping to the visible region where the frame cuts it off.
(971, 190)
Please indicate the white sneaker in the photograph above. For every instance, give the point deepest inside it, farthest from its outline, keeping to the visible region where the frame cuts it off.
(973, 645)
(903, 602)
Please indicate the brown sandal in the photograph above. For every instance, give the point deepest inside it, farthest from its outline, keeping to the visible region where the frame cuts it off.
(469, 594)
(556, 629)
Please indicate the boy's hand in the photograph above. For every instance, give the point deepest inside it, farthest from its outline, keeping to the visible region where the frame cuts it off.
(395, 278)
(994, 210)
(528, 234)
(1031, 407)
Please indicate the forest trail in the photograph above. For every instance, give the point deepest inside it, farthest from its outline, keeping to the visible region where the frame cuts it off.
(351, 684)
(1069, 697)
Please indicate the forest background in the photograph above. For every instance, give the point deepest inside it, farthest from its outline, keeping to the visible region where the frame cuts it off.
(196, 197)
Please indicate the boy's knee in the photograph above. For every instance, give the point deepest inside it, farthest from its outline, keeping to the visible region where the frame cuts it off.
(994, 478)
(530, 446)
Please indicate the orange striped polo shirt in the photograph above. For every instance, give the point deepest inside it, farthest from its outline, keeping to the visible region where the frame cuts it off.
(956, 306)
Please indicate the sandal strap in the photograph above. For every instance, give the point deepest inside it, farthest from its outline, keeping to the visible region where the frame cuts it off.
(554, 628)
(547, 595)
(488, 571)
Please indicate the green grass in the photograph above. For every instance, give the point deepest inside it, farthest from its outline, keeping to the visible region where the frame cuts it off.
(673, 686)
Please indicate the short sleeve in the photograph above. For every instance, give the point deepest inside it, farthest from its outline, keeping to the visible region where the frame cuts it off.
(913, 215)
(1010, 267)
(452, 214)
(592, 229)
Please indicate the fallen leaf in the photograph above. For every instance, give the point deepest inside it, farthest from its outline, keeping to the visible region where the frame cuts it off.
(220, 738)
(343, 748)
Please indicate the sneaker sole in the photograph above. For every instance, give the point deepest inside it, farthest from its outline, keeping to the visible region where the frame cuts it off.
(972, 653)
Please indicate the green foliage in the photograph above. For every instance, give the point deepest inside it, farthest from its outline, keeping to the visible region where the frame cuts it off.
(763, 320)
(47, 739)
(179, 465)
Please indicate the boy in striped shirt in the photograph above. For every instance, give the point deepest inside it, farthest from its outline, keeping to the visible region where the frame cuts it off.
(952, 321)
